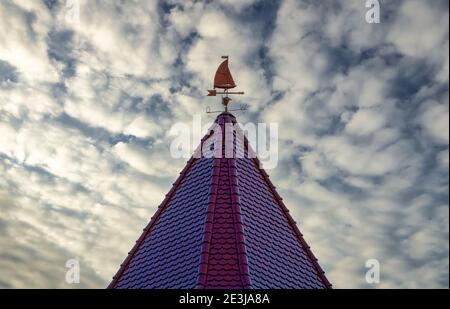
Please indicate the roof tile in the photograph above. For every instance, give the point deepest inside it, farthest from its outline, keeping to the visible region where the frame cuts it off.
(221, 226)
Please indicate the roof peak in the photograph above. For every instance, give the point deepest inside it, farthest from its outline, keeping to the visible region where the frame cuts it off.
(222, 225)
(226, 117)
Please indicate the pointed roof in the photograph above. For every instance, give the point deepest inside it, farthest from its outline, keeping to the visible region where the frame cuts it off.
(221, 226)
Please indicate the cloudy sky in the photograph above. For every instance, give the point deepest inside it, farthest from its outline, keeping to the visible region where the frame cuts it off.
(86, 106)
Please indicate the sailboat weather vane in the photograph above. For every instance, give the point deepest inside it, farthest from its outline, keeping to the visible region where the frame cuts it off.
(224, 80)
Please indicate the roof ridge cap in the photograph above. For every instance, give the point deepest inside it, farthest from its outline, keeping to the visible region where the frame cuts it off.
(207, 234)
(238, 226)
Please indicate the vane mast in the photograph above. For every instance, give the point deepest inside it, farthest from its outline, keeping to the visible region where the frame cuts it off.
(224, 80)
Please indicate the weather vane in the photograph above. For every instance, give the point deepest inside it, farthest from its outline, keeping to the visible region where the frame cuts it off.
(224, 80)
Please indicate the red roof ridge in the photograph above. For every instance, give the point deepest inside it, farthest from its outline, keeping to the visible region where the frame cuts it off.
(237, 224)
(239, 229)
(235, 208)
(204, 255)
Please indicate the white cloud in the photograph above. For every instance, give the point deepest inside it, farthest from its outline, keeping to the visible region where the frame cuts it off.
(419, 28)
(23, 39)
(316, 166)
(365, 122)
(138, 158)
(364, 159)
(434, 119)
(363, 86)
(184, 18)
(124, 39)
(301, 70)
(8, 137)
(143, 127)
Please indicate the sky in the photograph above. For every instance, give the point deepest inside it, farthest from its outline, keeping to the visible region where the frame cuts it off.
(86, 106)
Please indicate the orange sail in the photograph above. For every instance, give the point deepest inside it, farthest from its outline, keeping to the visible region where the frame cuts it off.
(223, 78)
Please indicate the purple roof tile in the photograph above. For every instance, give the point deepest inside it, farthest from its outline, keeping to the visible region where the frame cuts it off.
(221, 226)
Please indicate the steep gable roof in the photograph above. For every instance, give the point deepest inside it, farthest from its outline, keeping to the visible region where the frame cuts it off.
(222, 225)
